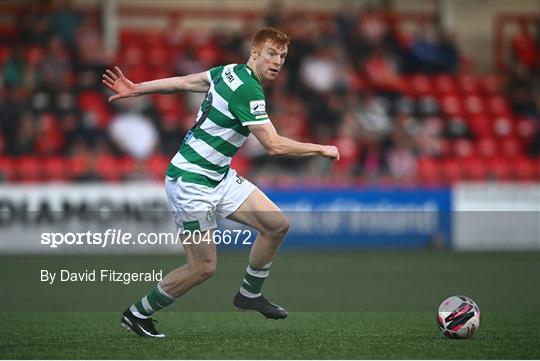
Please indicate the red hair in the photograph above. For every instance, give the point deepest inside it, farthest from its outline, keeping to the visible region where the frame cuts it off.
(274, 35)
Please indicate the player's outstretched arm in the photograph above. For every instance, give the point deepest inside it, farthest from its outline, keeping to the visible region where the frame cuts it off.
(125, 88)
(276, 145)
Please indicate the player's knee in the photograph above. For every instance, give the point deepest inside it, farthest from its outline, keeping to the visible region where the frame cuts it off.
(284, 225)
(203, 271)
(279, 228)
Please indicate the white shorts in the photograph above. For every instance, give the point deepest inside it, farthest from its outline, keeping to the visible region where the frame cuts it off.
(197, 207)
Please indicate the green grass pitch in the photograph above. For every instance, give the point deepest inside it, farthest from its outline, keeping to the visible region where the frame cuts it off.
(342, 305)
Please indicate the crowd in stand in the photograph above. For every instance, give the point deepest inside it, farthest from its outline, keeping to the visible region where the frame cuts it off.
(388, 98)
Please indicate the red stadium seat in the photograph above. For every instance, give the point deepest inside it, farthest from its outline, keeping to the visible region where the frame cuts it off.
(7, 169)
(503, 127)
(56, 169)
(420, 85)
(481, 126)
(428, 171)
(452, 170)
(474, 169)
(468, 84)
(487, 148)
(107, 168)
(491, 85)
(497, 105)
(132, 56)
(473, 105)
(510, 148)
(463, 148)
(158, 57)
(499, 169)
(445, 84)
(451, 105)
(156, 166)
(29, 169)
(524, 169)
(77, 166)
(126, 165)
(94, 102)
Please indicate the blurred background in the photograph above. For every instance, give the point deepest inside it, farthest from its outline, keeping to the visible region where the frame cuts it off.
(423, 92)
(434, 106)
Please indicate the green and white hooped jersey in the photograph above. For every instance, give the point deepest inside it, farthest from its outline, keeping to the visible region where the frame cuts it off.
(234, 101)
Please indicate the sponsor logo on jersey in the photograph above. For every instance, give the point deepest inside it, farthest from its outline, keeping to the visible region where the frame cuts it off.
(257, 107)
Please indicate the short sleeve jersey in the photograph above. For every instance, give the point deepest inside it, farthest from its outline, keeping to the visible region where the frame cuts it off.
(235, 100)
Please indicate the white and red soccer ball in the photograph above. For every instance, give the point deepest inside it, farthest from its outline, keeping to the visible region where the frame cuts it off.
(458, 317)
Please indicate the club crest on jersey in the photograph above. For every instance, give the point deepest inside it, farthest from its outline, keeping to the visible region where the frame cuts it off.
(257, 107)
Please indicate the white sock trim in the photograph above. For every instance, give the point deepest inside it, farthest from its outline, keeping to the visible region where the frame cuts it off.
(165, 293)
(260, 274)
(136, 313)
(246, 293)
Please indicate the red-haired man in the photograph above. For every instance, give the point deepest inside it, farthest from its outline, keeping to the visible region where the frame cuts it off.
(201, 186)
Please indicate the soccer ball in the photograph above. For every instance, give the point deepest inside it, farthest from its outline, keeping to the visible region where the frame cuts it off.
(458, 317)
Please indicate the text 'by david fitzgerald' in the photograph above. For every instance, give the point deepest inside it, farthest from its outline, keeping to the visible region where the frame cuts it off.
(101, 275)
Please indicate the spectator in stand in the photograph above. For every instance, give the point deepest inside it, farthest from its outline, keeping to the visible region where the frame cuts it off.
(524, 47)
(33, 23)
(25, 136)
(401, 157)
(134, 134)
(19, 72)
(371, 164)
(373, 117)
(382, 72)
(321, 71)
(424, 56)
(64, 21)
(450, 57)
(522, 94)
(55, 68)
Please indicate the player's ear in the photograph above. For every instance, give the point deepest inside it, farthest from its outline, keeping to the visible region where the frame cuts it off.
(254, 52)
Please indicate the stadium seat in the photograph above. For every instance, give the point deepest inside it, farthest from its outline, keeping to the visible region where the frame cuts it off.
(107, 167)
(490, 85)
(452, 170)
(473, 105)
(94, 102)
(510, 147)
(126, 165)
(445, 84)
(487, 148)
(420, 85)
(29, 169)
(77, 166)
(7, 169)
(474, 169)
(497, 105)
(56, 169)
(503, 127)
(499, 169)
(463, 148)
(428, 172)
(132, 56)
(156, 166)
(468, 84)
(524, 169)
(481, 126)
(451, 105)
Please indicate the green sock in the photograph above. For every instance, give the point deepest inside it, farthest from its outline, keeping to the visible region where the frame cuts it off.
(253, 280)
(154, 301)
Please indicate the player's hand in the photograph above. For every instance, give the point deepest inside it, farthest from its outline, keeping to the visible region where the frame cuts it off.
(118, 83)
(330, 151)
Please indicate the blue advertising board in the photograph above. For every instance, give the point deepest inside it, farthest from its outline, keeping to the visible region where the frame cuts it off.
(365, 218)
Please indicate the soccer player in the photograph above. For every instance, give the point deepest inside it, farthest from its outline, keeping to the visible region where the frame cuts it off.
(200, 184)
